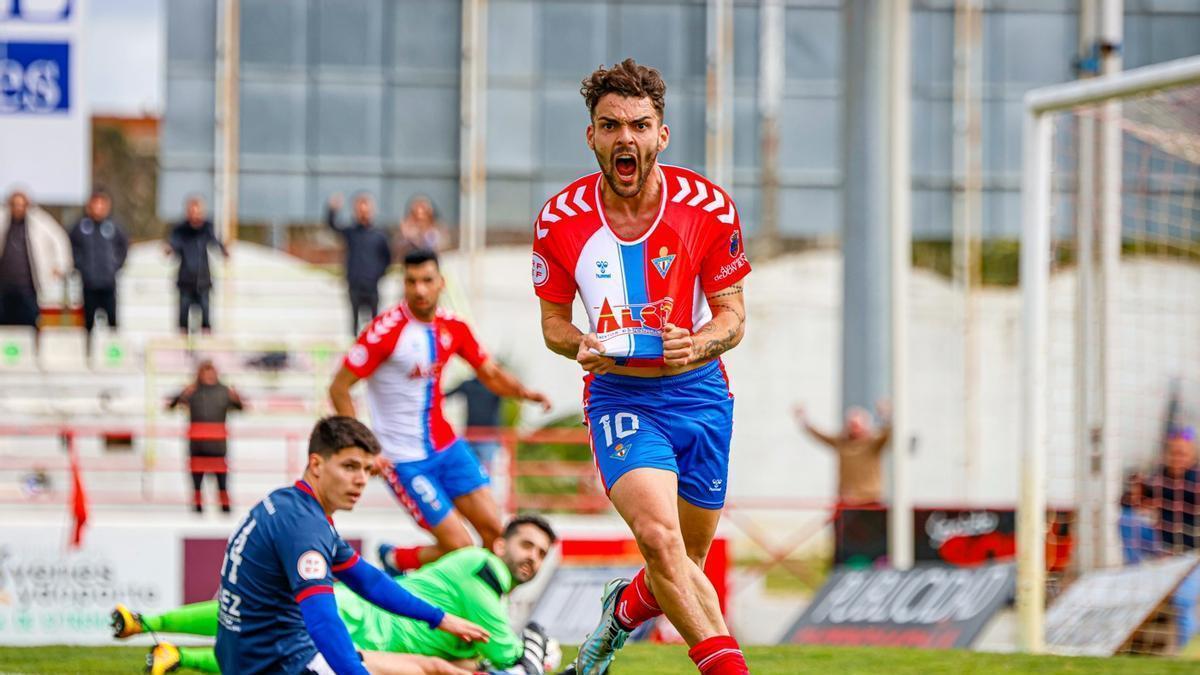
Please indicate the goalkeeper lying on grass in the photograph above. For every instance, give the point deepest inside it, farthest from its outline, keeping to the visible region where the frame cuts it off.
(470, 583)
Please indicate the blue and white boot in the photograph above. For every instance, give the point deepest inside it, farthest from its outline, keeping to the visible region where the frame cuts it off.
(601, 645)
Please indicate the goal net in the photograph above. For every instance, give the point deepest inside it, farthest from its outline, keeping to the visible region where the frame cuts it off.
(1111, 376)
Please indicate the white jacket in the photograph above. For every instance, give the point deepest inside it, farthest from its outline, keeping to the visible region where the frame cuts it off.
(50, 250)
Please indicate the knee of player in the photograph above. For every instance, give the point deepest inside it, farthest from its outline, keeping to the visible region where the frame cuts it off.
(660, 543)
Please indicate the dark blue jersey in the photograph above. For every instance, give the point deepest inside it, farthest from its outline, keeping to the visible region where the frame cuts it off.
(285, 550)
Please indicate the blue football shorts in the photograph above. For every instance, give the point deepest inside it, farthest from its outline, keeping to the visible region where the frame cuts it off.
(428, 487)
(680, 423)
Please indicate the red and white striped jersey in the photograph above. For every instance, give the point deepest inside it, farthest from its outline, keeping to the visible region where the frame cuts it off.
(630, 289)
(402, 358)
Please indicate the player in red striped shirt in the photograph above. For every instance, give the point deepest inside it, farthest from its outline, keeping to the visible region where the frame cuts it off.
(655, 254)
(432, 472)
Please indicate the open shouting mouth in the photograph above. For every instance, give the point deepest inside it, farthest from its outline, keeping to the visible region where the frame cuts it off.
(626, 165)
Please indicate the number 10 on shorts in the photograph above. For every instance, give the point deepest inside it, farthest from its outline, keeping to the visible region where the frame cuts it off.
(625, 424)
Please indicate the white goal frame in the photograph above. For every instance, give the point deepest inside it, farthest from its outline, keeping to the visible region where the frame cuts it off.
(1036, 190)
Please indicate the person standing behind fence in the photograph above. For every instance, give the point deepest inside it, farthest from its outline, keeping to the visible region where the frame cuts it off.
(208, 402)
(368, 255)
(34, 254)
(99, 246)
(190, 241)
(420, 229)
(1173, 495)
(859, 448)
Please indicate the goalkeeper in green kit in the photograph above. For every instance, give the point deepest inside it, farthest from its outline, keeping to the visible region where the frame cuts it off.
(470, 583)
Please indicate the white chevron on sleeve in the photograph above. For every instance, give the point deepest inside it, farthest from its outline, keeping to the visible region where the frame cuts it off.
(727, 217)
(549, 216)
(684, 190)
(701, 194)
(717, 202)
(561, 203)
(583, 206)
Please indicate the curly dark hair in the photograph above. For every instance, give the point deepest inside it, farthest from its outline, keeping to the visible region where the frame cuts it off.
(337, 432)
(626, 78)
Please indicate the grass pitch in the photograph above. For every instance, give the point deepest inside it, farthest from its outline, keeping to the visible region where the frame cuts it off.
(659, 660)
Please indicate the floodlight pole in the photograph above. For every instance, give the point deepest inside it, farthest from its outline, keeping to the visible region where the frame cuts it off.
(771, 68)
(967, 250)
(1084, 384)
(1109, 188)
(472, 184)
(718, 122)
(900, 517)
(225, 201)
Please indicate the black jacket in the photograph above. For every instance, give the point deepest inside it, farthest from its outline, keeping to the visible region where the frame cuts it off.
(191, 245)
(368, 253)
(99, 252)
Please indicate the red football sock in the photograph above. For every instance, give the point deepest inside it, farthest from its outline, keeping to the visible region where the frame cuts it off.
(406, 558)
(719, 655)
(637, 604)
(197, 498)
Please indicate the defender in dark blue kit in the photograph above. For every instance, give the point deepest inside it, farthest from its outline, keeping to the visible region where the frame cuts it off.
(277, 609)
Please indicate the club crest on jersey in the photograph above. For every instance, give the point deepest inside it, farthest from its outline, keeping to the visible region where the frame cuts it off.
(620, 450)
(602, 270)
(735, 243)
(663, 262)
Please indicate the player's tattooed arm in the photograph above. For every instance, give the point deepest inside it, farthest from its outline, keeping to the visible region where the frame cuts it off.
(714, 338)
(728, 324)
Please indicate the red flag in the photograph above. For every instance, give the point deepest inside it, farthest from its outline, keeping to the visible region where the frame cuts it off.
(79, 506)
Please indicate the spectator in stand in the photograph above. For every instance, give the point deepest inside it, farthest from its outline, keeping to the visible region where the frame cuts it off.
(190, 240)
(420, 229)
(483, 415)
(208, 401)
(99, 246)
(1173, 496)
(34, 255)
(1172, 493)
(367, 256)
(859, 448)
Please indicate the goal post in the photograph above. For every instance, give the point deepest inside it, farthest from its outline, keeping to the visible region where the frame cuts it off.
(1102, 364)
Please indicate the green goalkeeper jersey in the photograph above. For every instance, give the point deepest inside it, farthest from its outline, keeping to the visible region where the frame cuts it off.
(469, 582)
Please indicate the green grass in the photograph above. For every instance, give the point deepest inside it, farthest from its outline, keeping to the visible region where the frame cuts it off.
(643, 658)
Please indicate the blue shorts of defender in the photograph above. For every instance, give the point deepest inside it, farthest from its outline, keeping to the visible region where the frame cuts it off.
(680, 423)
(428, 487)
